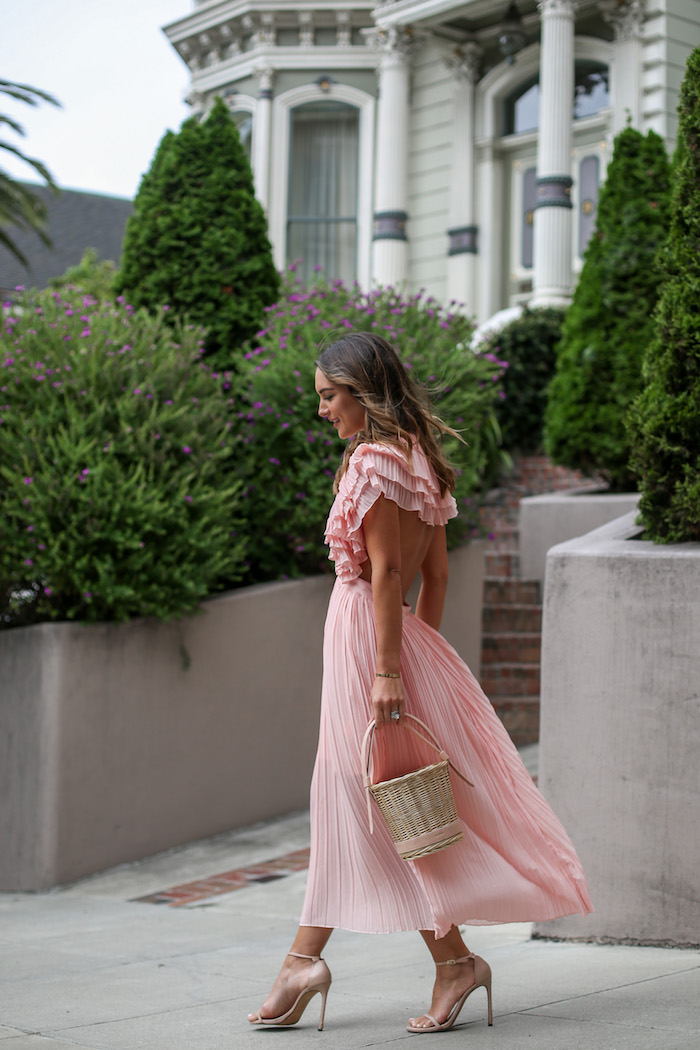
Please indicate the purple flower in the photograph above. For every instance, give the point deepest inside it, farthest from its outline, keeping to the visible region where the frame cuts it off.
(273, 460)
(186, 449)
(87, 594)
(47, 591)
(188, 499)
(28, 481)
(28, 561)
(85, 472)
(30, 528)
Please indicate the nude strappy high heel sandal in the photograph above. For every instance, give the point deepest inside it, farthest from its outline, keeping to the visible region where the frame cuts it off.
(318, 980)
(482, 979)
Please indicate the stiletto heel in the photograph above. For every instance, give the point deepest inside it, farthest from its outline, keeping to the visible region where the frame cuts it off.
(482, 979)
(318, 980)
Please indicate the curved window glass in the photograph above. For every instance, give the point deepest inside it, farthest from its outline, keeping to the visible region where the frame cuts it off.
(322, 191)
(591, 90)
(244, 122)
(591, 94)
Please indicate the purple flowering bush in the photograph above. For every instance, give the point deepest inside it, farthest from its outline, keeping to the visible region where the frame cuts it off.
(291, 455)
(115, 500)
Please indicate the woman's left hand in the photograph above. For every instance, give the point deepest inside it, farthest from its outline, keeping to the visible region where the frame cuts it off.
(387, 696)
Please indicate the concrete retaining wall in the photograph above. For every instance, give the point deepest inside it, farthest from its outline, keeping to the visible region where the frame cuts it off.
(560, 516)
(117, 742)
(620, 729)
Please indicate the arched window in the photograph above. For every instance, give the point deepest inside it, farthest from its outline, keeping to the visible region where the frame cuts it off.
(322, 188)
(591, 94)
(244, 122)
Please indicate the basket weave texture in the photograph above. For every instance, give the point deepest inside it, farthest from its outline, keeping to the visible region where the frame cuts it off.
(417, 805)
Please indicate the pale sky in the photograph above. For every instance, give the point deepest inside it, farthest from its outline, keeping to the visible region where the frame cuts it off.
(120, 81)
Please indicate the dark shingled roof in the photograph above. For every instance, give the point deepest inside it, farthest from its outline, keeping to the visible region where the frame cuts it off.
(76, 221)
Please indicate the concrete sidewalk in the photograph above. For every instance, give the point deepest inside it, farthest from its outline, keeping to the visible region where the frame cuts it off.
(90, 966)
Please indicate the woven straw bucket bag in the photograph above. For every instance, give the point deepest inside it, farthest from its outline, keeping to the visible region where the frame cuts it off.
(418, 807)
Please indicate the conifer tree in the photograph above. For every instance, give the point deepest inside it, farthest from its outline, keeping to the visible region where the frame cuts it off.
(665, 419)
(197, 240)
(609, 323)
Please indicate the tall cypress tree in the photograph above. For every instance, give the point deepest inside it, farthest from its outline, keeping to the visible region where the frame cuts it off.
(197, 240)
(609, 323)
(665, 419)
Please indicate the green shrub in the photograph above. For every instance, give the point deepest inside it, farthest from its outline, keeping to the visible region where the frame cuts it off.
(665, 419)
(197, 238)
(113, 440)
(609, 323)
(293, 455)
(528, 344)
(91, 276)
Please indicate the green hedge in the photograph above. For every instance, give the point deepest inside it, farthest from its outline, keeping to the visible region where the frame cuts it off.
(609, 324)
(292, 455)
(665, 420)
(114, 438)
(197, 238)
(528, 344)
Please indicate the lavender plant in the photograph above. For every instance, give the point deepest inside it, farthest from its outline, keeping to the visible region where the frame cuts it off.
(291, 455)
(114, 436)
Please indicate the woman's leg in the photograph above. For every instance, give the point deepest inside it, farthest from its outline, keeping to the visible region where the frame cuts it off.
(451, 982)
(310, 940)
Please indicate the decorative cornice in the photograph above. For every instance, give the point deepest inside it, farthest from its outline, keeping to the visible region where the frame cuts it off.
(265, 76)
(464, 62)
(625, 16)
(556, 7)
(396, 44)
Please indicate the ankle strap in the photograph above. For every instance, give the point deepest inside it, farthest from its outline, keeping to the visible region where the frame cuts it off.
(453, 962)
(298, 955)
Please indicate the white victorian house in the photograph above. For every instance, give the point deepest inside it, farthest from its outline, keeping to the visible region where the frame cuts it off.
(453, 146)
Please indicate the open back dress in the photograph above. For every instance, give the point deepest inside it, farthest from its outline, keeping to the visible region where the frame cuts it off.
(515, 862)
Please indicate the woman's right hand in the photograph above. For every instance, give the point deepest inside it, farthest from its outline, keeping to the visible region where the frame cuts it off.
(387, 695)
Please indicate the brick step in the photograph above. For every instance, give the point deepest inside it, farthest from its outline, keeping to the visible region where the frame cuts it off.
(501, 590)
(501, 563)
(510, 679)
(517, 648)
(521, 717)
(509, 618)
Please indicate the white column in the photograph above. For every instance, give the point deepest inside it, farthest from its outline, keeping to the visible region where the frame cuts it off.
(553, 226)
(626, 73)
(262, 135)
(463, 231)
(491, 197)
(390, 247)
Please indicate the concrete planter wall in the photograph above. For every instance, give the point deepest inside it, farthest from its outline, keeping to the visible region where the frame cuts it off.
(560, 516)
(117, 742)
(620, 729)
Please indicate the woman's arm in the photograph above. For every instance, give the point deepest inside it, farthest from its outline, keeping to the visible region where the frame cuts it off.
(433, 588)
(383, 545)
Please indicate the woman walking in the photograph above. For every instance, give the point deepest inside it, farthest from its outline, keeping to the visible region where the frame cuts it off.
(515, 862)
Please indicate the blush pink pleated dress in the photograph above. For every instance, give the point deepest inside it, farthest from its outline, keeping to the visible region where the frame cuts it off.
(515, 862)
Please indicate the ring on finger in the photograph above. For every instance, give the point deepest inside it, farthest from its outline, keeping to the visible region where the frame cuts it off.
(395, 715)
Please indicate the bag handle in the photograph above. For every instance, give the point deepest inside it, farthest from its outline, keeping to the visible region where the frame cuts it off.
(366, 755)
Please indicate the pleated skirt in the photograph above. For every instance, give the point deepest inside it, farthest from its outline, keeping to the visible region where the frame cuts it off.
(515, 862)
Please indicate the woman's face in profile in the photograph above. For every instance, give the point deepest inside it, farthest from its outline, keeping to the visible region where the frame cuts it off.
(339, 406)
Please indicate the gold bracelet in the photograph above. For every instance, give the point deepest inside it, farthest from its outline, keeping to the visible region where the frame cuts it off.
(387, 674)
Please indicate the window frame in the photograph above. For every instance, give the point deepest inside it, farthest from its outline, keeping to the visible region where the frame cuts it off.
(279, 165)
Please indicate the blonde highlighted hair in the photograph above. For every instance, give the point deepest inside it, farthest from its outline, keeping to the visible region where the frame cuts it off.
(397, 409)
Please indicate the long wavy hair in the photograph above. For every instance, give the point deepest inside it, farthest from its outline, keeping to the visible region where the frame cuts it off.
(397, 409)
